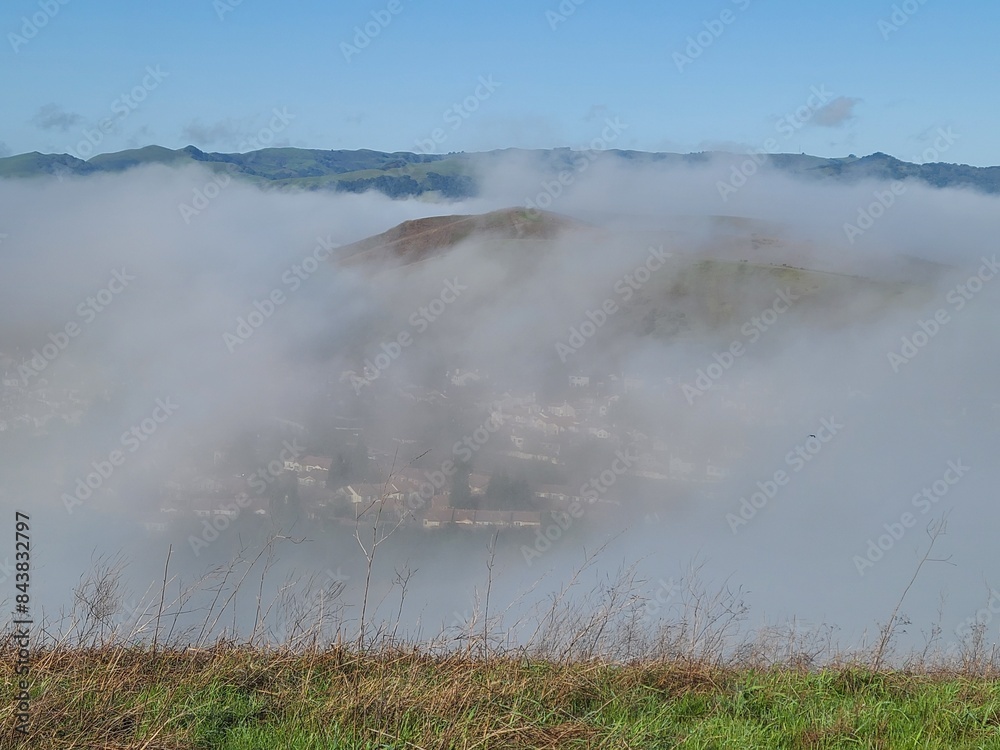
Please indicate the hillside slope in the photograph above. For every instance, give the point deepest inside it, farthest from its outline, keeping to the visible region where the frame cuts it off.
(457, 175)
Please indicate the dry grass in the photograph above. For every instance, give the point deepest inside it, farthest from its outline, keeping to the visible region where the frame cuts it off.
(241, 697)
(586, 669)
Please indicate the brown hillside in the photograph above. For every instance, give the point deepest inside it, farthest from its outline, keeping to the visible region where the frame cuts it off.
(416, 240)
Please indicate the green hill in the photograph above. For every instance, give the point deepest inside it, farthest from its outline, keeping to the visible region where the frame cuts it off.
(454, 176)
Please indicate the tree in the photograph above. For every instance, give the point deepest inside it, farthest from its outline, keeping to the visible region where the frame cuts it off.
(283, 495)
(508, 493)
(461, 495)
(350, 464)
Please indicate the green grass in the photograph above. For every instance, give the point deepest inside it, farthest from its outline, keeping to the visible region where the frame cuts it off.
(240, 698)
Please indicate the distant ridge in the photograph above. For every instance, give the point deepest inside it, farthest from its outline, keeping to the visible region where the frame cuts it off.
(456, 175)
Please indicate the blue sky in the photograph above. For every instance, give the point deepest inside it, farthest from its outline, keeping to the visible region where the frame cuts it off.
(223, 68)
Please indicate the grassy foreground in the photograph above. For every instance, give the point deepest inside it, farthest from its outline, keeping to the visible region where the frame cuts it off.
(237, 698)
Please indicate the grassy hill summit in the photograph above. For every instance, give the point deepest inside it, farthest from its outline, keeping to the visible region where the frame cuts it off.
(717, 271)
(418, 239)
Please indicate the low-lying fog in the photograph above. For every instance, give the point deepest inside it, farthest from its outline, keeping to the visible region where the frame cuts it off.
(798, 431)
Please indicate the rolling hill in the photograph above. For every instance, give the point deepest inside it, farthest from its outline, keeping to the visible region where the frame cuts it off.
(719, 269)
(418, 239)
(456, 175)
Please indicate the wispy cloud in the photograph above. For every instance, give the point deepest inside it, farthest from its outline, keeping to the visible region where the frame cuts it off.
(836, 113)
(54, 117)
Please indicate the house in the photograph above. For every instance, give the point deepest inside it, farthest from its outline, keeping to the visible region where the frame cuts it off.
(552, 425)
(558, 493)
(563, 410)
(435, 519)
(578, 381)
(315, 463)
(715, 472)
(650, 467)
(370, 493)
(557, 497)
(517, 415)
(309, 463)
(349, 494)
(463, 378)
(491, 518)
(680, 467)
(482, 519)
(551, 450)
(525, 518)
(530, 452)
(478, 483)
(313, 479)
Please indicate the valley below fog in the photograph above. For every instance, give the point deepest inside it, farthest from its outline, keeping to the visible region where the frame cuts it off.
(422, 417)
